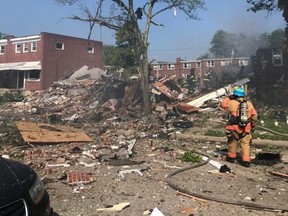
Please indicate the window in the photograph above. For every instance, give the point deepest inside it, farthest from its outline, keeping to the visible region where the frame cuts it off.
(2, 49)
(198, 64)
(17, 48)
(185, 76)
(34, 75)
(33, 46)
(90, 49)
(170, 66)
(186, 65)
(59, 46)
(243, 62)
(277, 56)
(25, 47)
(225, 62)
(210, 64)
(158, 67)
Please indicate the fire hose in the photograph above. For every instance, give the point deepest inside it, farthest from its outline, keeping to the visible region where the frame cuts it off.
(216, 199)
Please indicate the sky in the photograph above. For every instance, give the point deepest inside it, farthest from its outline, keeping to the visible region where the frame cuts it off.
(187, 39)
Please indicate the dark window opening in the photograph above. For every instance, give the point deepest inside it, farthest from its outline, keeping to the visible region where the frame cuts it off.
(60, 46)
(34, 74)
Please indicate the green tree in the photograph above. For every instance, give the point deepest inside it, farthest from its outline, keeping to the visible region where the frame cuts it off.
(274, 39)
(123, 12)
(109, 55)
(270, 6)
(3, 35)
(122, 56)
(223, 44)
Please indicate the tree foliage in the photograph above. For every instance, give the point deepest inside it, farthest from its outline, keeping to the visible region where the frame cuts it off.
(226, 45)
(273, 39)
(223, 44)
(125, 15)
(4, 36)
(268, 5)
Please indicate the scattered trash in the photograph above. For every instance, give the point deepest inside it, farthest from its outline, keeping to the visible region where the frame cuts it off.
(220, 167)
(57, 165)
(79, 188)
(224, 169)
(117, 207)
(76, 178)
(121, 173)
(156, 212)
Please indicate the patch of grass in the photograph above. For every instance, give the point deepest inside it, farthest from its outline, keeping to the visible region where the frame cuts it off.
(271, 148)
(270, 136)
(216, 133)
(10, 97)
(281, 128)
(190, 156)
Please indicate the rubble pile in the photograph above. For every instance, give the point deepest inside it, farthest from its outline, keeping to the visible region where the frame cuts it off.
(78, 101)
(89, 142)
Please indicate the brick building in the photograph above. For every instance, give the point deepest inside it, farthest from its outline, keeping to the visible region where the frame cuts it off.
(220, 67)
(271, 75)
(35, 62)
(181, 68)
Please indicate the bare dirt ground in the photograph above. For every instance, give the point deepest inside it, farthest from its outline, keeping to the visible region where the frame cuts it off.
(156, 158)
(160, 158)
(254, 184)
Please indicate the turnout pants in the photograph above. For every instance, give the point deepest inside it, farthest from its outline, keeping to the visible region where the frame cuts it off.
(244, 139)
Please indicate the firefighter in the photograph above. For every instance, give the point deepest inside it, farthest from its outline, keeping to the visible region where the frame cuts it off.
(236, 129)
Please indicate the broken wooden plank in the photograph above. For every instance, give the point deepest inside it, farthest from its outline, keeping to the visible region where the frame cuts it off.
(36, 126)
(186, 107)
(279, 174)
(33, 132)
(163, 89)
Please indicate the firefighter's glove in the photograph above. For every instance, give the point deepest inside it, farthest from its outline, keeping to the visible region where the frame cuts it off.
(229, 135)
(253, 124)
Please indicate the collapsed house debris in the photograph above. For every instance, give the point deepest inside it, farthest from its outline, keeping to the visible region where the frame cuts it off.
(179, 98)
(46, 133)
(97, 107)
(216, 94)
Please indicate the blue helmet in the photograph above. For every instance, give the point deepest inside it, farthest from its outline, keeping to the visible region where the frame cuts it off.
(239, 91)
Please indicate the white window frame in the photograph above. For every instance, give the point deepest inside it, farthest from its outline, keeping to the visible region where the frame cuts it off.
(59, 45)
(25, 47)
(158, 67)
(277, 54)
(185, 76)
(225, 62)
(187, 65)
(2, 49)
(170, 67)
(198, 64)
(17, 48)
(210, 63)
(33, 46)
(90, 49)
(243, 62)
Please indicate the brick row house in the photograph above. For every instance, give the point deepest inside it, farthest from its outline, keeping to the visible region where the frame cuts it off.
(200, 68)
(271, 75)
(35, 62)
